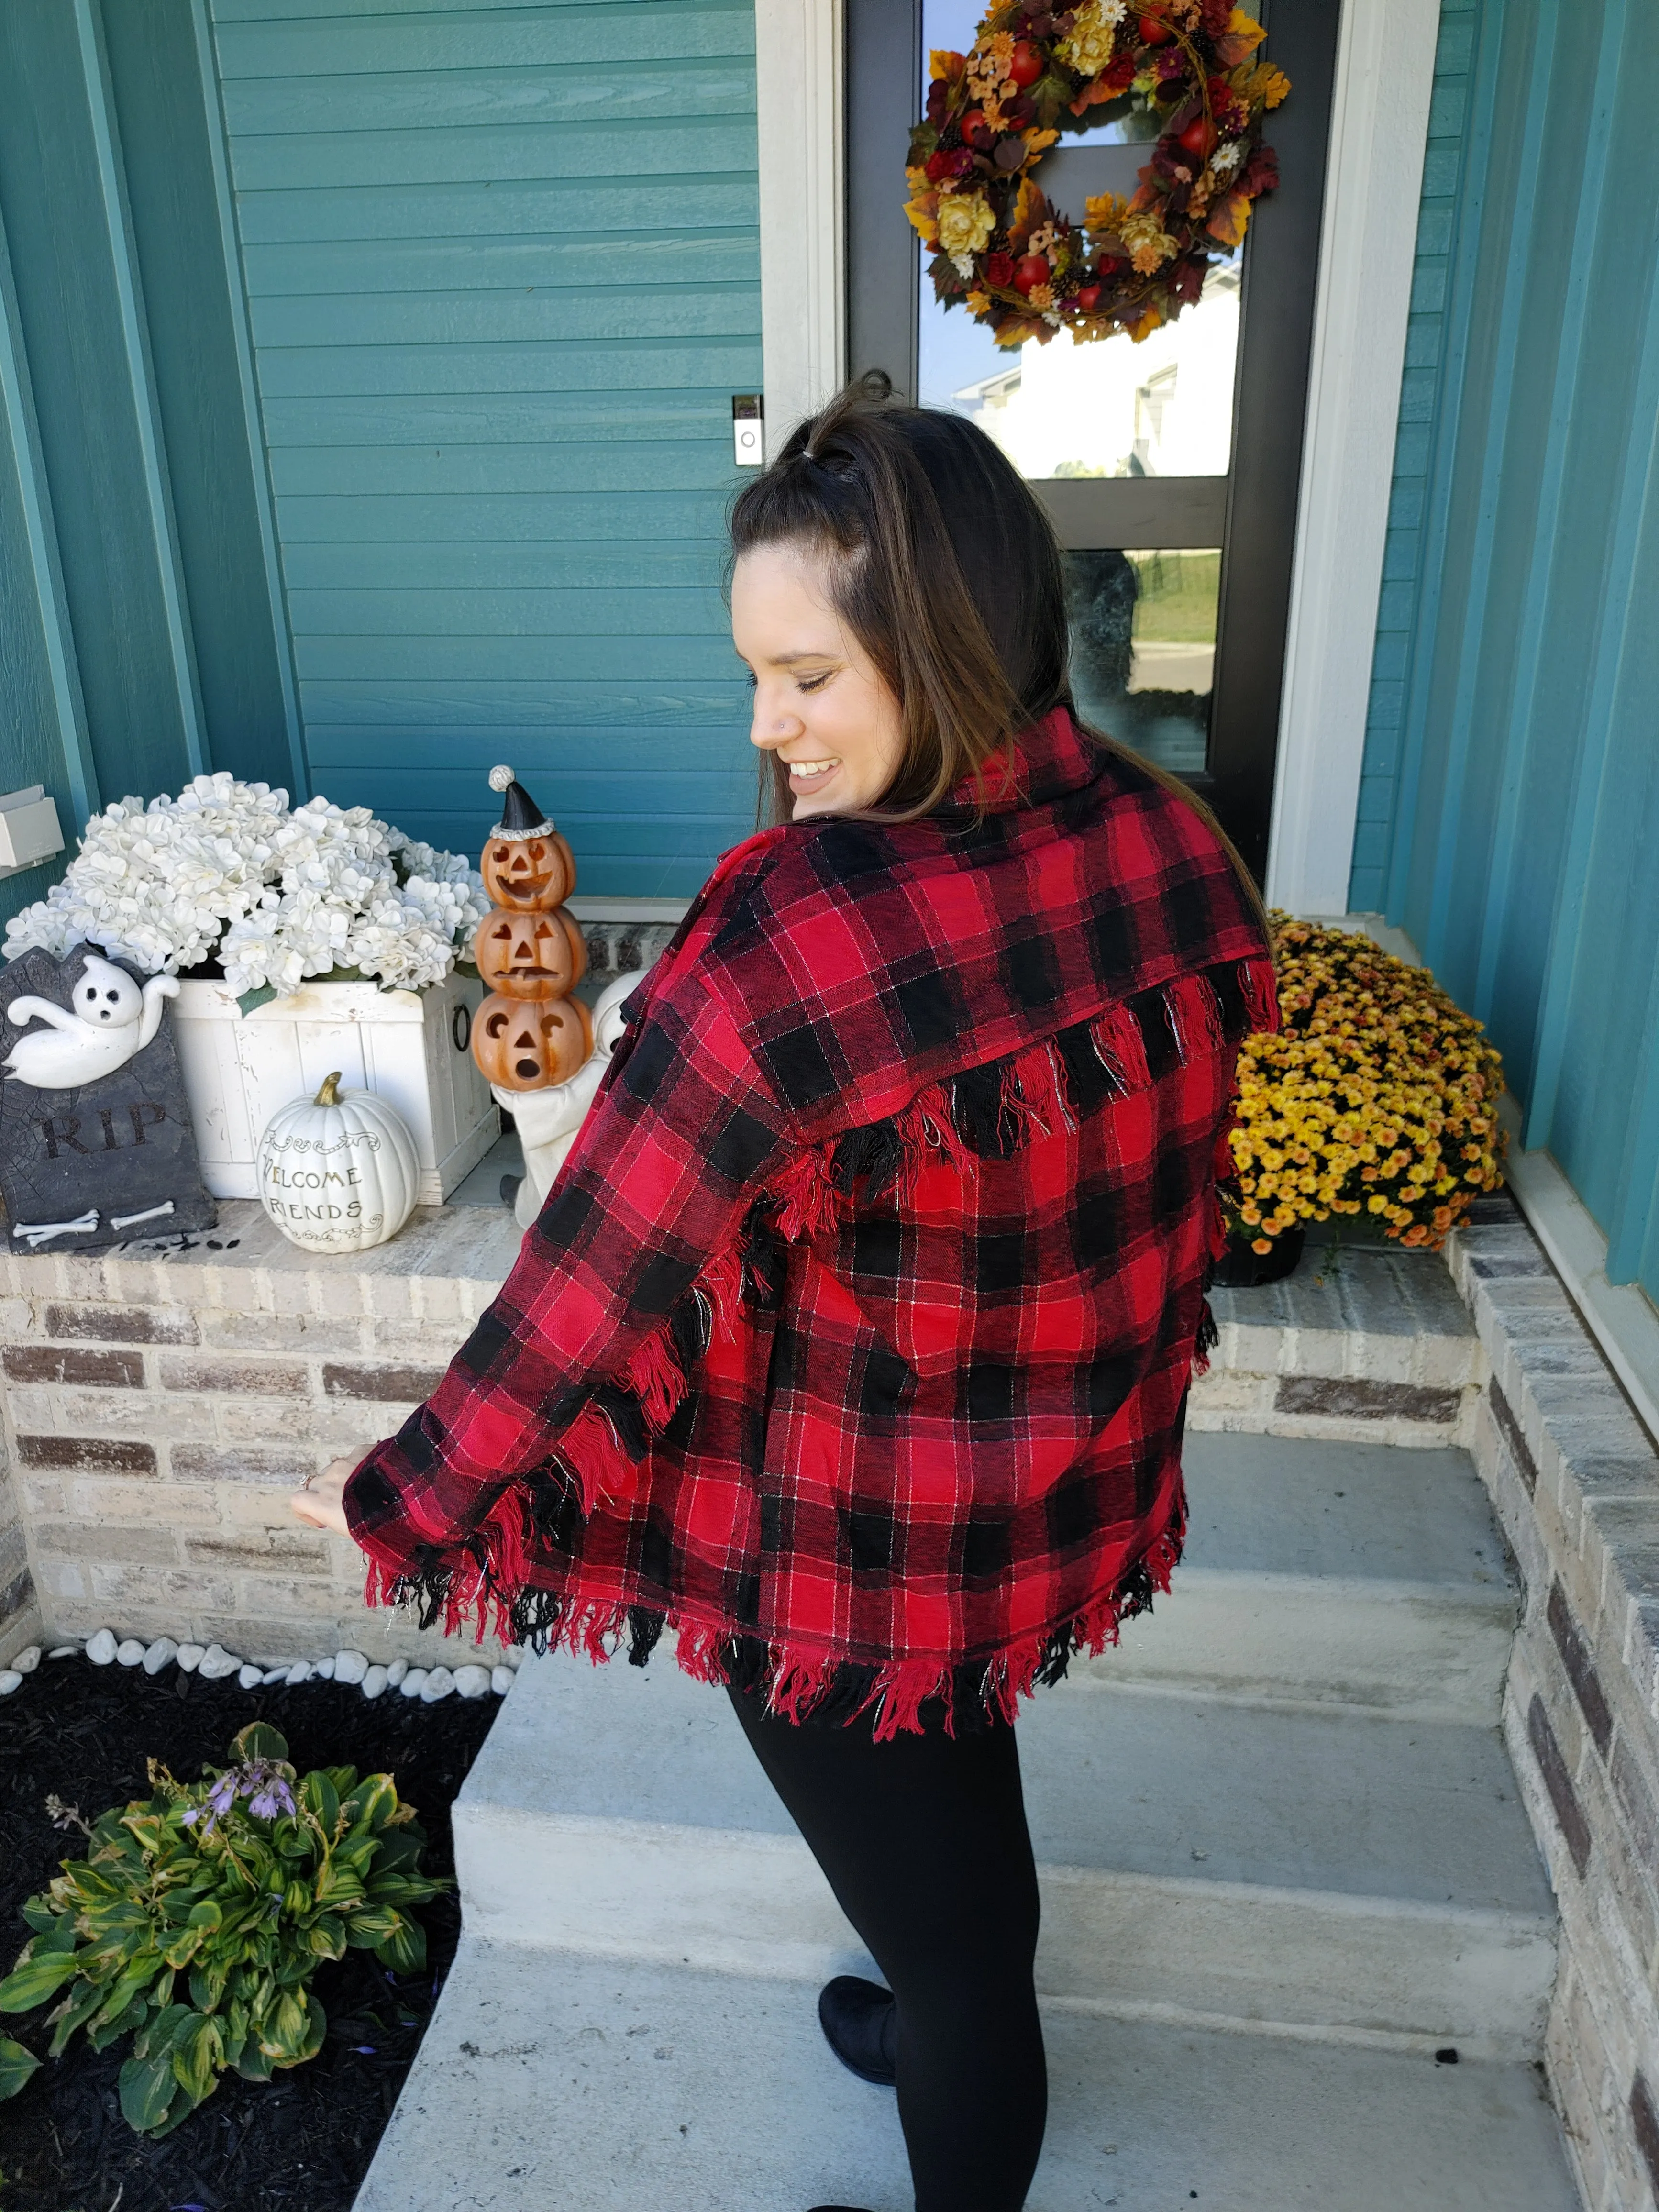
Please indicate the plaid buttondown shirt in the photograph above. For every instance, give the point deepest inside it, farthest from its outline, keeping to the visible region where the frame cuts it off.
(853, 1339)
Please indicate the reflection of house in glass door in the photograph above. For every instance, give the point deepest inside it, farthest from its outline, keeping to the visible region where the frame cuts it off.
(1170, 467)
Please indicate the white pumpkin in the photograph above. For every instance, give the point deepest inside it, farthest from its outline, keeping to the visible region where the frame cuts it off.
(338, 1172)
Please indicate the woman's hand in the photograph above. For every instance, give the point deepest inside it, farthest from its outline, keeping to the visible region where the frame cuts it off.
(321, 1503)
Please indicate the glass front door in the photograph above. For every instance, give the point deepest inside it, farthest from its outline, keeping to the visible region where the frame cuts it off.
(1169, 468)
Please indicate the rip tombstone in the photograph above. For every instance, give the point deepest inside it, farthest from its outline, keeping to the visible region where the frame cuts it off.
(96, 1143)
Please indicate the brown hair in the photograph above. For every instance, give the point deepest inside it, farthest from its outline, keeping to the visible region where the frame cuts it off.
(943, 566)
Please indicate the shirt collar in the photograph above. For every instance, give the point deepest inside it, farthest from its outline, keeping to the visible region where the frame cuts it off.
(1043, 764)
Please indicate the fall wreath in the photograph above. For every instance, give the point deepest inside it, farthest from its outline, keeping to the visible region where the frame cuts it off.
(1015, 262)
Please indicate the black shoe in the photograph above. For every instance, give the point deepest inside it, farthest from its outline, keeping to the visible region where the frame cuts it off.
(859, 2022)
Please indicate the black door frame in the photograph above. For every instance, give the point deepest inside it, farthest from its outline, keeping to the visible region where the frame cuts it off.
(1251, 514)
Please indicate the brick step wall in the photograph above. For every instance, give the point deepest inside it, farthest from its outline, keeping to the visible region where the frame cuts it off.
(162, 1402)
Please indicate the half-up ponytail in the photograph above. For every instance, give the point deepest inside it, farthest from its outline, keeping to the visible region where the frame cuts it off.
(942, 563)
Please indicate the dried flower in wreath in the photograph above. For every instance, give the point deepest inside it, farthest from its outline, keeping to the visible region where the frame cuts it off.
(1018, 264)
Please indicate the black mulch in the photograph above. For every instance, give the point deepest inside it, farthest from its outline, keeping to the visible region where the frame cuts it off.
(302, 2141)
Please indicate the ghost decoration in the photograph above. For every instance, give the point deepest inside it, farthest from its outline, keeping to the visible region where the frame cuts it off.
(549, 1120)
(97, 1142)
(111, 1019)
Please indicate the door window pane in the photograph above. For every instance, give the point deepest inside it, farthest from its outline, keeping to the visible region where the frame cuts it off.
(1143, 648)
(1109, 408)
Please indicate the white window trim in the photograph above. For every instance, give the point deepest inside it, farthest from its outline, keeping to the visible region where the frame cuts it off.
(1379, 129)
(798, 88)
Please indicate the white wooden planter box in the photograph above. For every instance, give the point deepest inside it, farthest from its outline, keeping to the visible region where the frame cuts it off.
(408, 1047)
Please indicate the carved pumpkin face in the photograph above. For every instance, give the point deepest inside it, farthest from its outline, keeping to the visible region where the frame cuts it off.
(530, 875)
(526, 1044)
(529, 955)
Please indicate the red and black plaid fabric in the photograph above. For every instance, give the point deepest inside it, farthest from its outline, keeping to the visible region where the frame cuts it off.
(853, 1340)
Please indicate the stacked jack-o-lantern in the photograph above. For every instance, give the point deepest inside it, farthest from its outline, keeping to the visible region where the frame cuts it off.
(529, 1034)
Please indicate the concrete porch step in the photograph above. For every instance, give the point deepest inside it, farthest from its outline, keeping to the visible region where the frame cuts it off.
(1331, 1573)
(549, 2082)
(1200, 1860)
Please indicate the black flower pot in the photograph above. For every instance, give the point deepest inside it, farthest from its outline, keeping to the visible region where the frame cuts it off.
(1239, 1268)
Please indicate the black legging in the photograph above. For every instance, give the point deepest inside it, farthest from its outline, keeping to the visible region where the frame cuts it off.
(924, 1842)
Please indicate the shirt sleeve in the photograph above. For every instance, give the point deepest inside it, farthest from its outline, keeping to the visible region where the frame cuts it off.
(669, 1161)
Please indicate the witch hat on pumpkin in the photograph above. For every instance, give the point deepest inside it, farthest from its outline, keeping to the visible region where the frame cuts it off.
(520, 816)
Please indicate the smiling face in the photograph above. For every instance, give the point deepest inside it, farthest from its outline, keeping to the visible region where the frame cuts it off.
(819, 701)
(529, 875)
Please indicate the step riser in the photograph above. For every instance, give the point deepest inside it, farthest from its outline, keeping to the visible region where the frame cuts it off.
(738, 1903)
(1386, 1647)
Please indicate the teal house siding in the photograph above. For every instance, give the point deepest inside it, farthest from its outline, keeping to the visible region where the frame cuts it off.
(137, 646)
(501, 268)
(1523, 814)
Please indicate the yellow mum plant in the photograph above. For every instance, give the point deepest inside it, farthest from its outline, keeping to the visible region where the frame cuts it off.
(1378, 1098)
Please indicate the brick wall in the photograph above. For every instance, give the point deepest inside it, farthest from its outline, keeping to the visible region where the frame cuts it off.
(160, 1405)
(1575, 1477)
(20, 1613)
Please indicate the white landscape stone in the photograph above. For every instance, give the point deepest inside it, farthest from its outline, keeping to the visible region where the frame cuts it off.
(501, 1680)
(438, 1684)
(349, 1667)
(396, 1671)
(472, 1682)
(190, 1656)
(100, 1648)
(159, 1653)
(26, 1660)
(216, 1662)
(413, 1682)
(11, 1679)
(323, 1669)
(374, 1682)
(64, 1652)
(300, 1671)
(277, 1674)
(250, 1676)
(128, 1652)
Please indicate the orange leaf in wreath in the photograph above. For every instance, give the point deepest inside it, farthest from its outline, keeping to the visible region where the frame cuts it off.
(1029, 209)
(1103, 213)
(1229, 218)
(923, 212)
(1239, 40)
(944, 62)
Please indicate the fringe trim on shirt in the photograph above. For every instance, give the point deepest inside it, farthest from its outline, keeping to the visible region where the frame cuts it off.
(987, 1112)
(905, 1697)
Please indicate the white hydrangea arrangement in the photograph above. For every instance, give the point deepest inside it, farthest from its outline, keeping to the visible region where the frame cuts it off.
(229, 871)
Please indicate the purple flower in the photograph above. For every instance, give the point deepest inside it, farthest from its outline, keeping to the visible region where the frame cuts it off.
(266, 1790)
(276, 1797)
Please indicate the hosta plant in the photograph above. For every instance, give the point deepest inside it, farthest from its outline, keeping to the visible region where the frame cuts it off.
(1378, 1099)
(197, 1921)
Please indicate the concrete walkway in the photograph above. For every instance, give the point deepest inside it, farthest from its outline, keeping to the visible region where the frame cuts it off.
(1283, 1863)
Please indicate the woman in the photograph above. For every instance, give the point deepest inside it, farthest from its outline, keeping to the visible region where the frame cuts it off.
(853, 1343)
